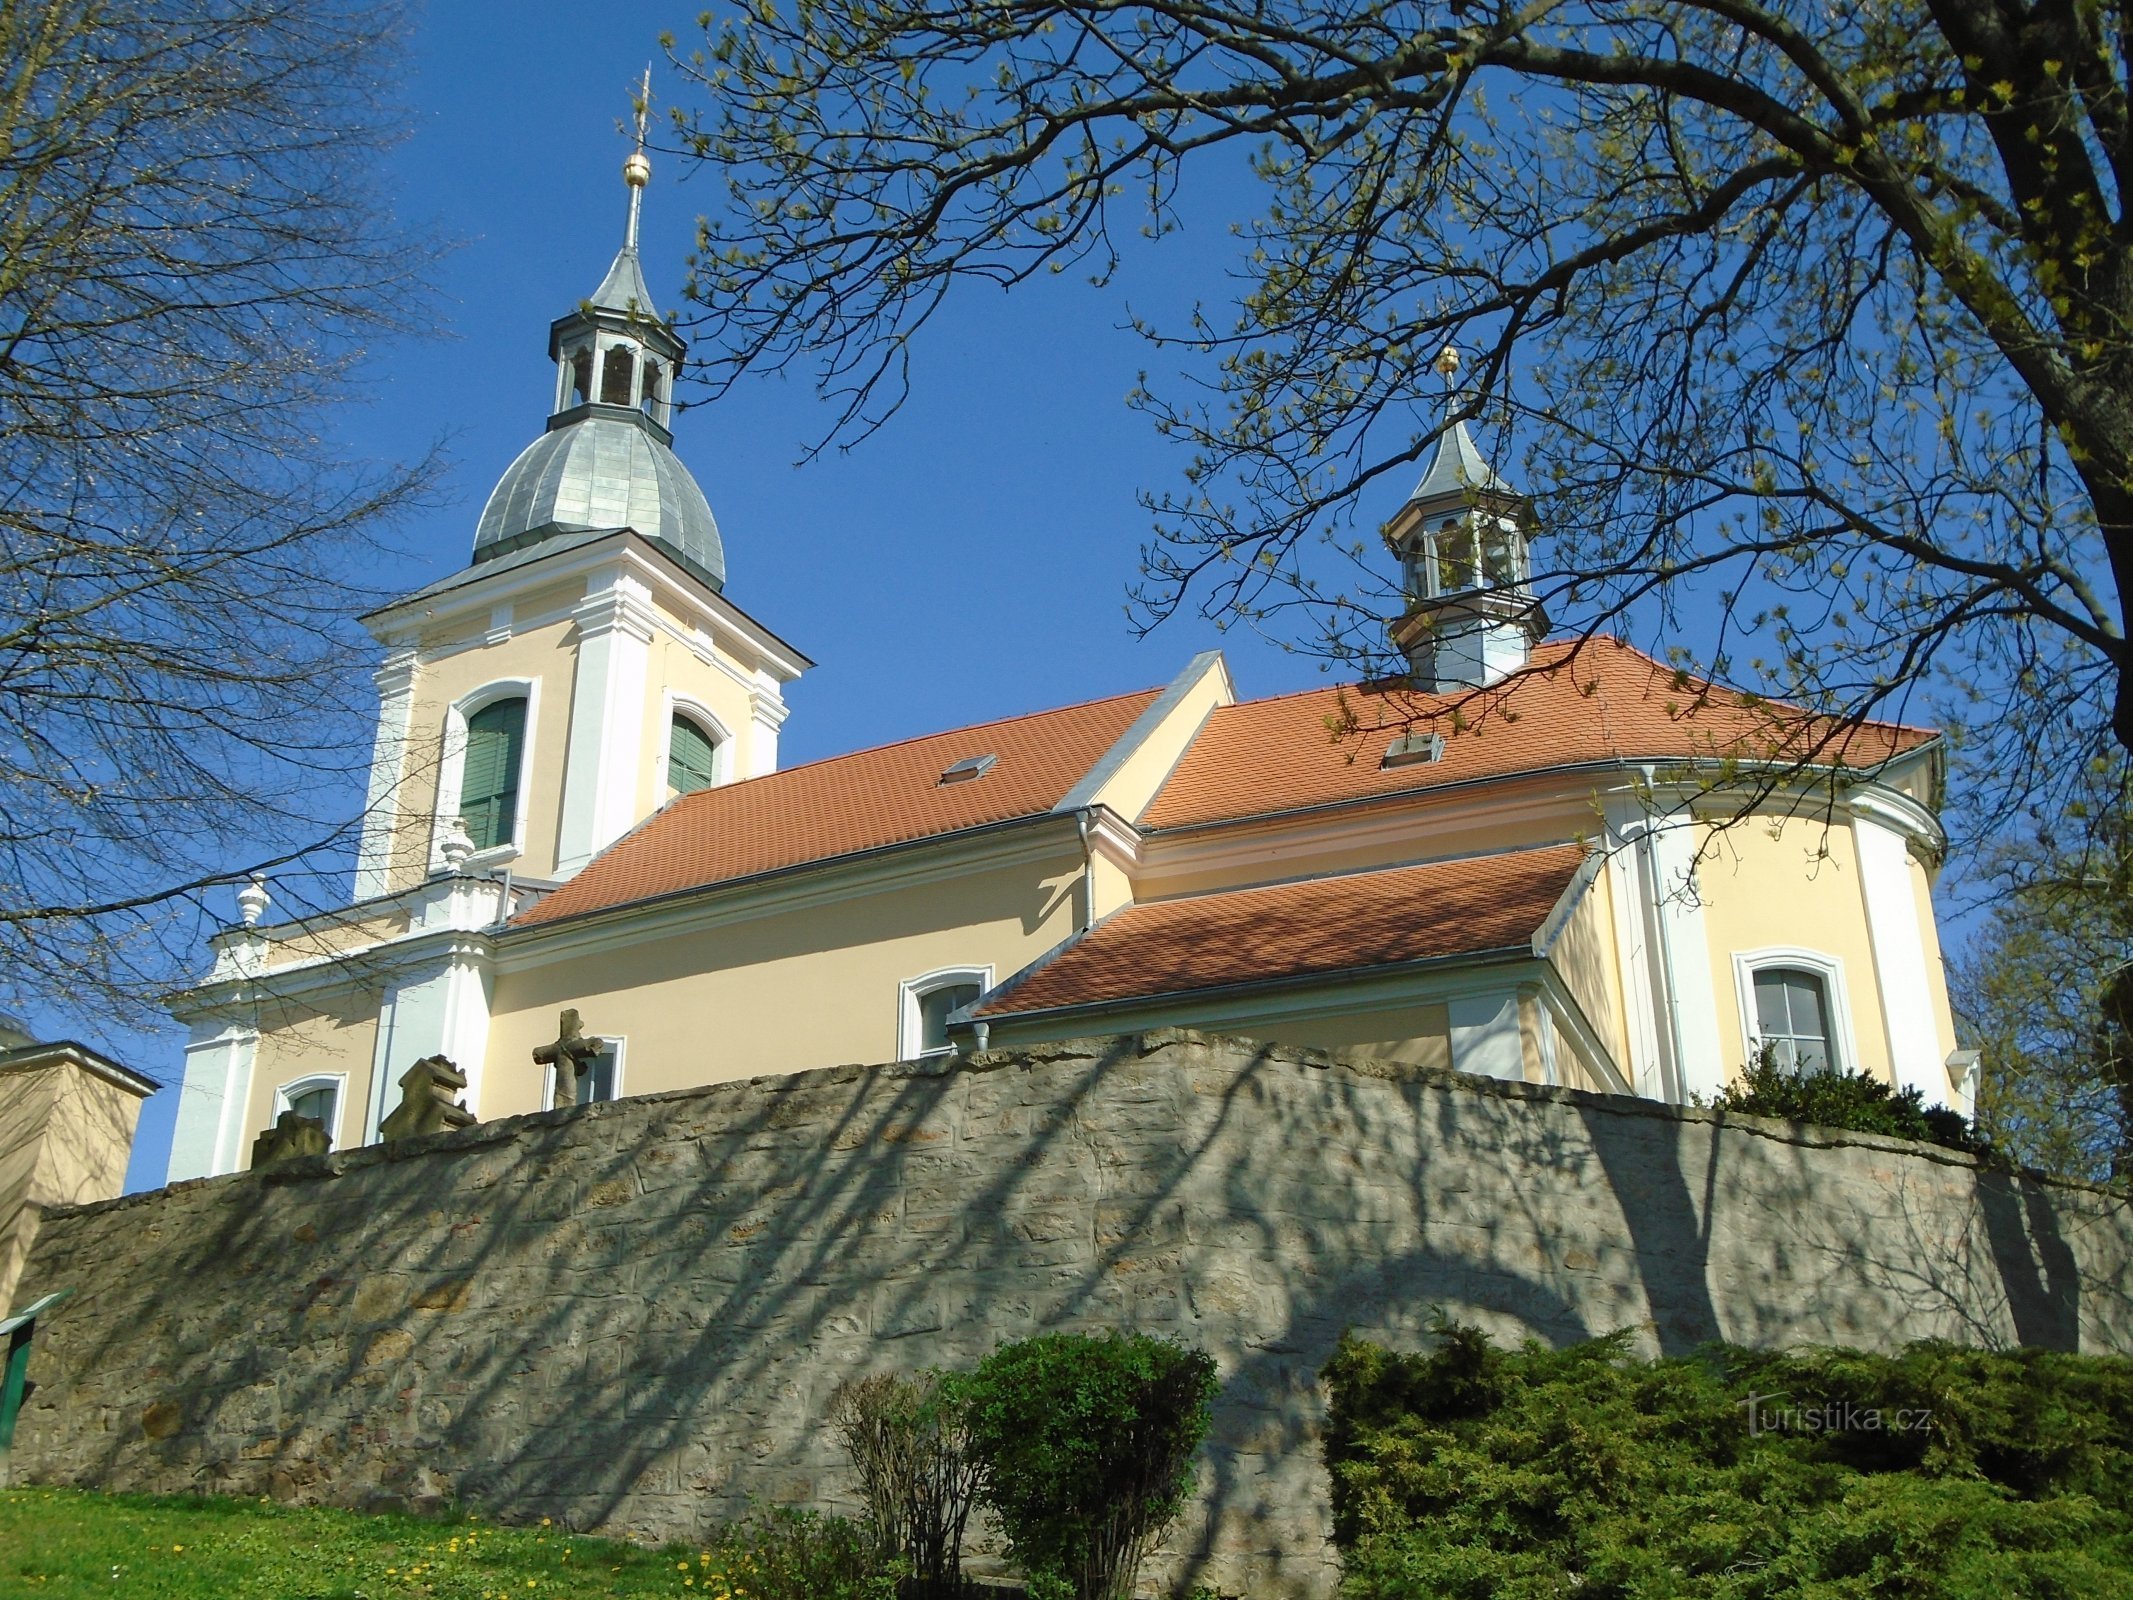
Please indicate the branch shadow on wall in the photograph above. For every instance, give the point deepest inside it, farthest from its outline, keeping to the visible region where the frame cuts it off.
(632, 1316)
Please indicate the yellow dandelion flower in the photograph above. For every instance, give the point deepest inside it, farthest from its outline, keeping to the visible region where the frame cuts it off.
(681, 1566)
(177, 1549)
(546, 1522)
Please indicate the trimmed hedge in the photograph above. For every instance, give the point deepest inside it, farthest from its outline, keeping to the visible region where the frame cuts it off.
(1853, 1101)
(1477, 1473)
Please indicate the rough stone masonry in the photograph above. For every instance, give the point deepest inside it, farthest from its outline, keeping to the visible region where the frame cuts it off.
(631, 1315)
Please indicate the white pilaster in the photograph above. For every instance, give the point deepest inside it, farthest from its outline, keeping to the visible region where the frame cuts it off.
(1670, 1005)
(1654, 1068)
(607, 712)
(767, 712)
(1906, 986)
(1685, 948)
(209, 1134)
(442, 1011)
(395, 679)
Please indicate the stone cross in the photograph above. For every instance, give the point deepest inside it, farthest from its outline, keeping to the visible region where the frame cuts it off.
(292, 1135)
(571, 1055)
(429, 1101)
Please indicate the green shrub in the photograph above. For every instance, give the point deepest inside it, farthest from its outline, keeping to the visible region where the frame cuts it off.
(1084, 1445)
(1483, 1472)
(909, 1444)
(1853, 1101)
(781, 1553)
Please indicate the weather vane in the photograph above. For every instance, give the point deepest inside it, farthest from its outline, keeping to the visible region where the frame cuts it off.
(637, 170)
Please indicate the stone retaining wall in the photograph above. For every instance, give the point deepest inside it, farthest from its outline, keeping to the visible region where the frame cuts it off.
(631, 1316)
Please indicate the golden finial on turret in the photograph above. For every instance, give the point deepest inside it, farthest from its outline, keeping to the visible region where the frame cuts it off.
(637, 170)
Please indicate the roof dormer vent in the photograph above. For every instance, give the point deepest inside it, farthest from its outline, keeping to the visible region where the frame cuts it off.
(967, 768)
(1413, 750)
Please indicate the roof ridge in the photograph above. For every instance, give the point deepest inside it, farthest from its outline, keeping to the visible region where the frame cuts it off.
(916, 738)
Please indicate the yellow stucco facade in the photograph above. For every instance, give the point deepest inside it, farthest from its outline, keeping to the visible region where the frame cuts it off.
(66, 1130)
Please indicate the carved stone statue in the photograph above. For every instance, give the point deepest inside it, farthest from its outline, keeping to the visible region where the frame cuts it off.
(429, 1101)
(572, 1056)
(292, 1135)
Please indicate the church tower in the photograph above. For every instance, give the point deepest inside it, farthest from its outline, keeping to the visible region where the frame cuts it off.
(587, 665)
(1462, 539)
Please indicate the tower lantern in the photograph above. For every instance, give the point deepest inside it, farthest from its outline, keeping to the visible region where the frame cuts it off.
(1470, 618)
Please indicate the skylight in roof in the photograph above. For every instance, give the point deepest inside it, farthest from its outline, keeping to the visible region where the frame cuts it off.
(1414, 750)
(969, 767)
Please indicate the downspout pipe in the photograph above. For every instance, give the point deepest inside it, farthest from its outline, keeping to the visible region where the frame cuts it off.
(1088, 868)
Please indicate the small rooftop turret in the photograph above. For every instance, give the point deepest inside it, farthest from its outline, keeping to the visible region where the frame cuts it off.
(1471, 618)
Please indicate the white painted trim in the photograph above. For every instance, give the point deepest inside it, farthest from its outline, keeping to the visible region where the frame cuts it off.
(617, 1041)
(615, 627)
(443, 1011)
(1684, 948)
(1917, 1054)
(624, 551)
(1844, 1035)
(1126, 746)
(909, 1027)
(676, 704)
(1892, 808)
(217, 1082)
(767, 712)
(381, 1054)
(451, 768)
(285, 1097)
(1486, 1036)
(395, 679)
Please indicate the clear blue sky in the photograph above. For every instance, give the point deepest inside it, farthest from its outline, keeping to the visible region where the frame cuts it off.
(970, 561)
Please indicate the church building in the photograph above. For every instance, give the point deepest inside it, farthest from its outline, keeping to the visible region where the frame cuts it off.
(1525, 858)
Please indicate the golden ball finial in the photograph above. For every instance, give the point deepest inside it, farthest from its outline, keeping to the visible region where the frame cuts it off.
(1447, 362)
(637, 171)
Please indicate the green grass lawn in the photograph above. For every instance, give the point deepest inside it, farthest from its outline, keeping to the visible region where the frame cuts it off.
(66, 1543)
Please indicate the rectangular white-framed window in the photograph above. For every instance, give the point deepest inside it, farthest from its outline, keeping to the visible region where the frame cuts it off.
(321, 1096)
(1794, 1004)
(505, 759)
(601, 1081)
(925, 1003)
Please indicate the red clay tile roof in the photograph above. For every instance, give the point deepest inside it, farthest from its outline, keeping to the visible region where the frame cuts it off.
(845, 804)
(1599, 701)
(1293, 930)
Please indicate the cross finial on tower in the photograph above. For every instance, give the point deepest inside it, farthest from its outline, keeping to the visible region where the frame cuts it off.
(637, 170)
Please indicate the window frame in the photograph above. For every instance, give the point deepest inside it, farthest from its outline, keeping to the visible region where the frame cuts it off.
(708, 724)
(910, 1023)
(617, 1042)
(452, 764)
(285, 1096)
(1843, 1038)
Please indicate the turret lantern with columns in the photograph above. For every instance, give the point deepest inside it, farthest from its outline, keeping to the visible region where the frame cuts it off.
(1471, 616)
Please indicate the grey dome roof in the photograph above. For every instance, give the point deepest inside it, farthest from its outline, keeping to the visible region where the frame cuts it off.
(602, 472)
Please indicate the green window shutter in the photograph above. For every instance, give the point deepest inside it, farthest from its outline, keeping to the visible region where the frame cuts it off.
(689, 753)
(488, 785)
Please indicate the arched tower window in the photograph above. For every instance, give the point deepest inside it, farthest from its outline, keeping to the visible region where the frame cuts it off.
(579, 387)
(618, 375)
(488, 786)
(690, 755)
(652, 379)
